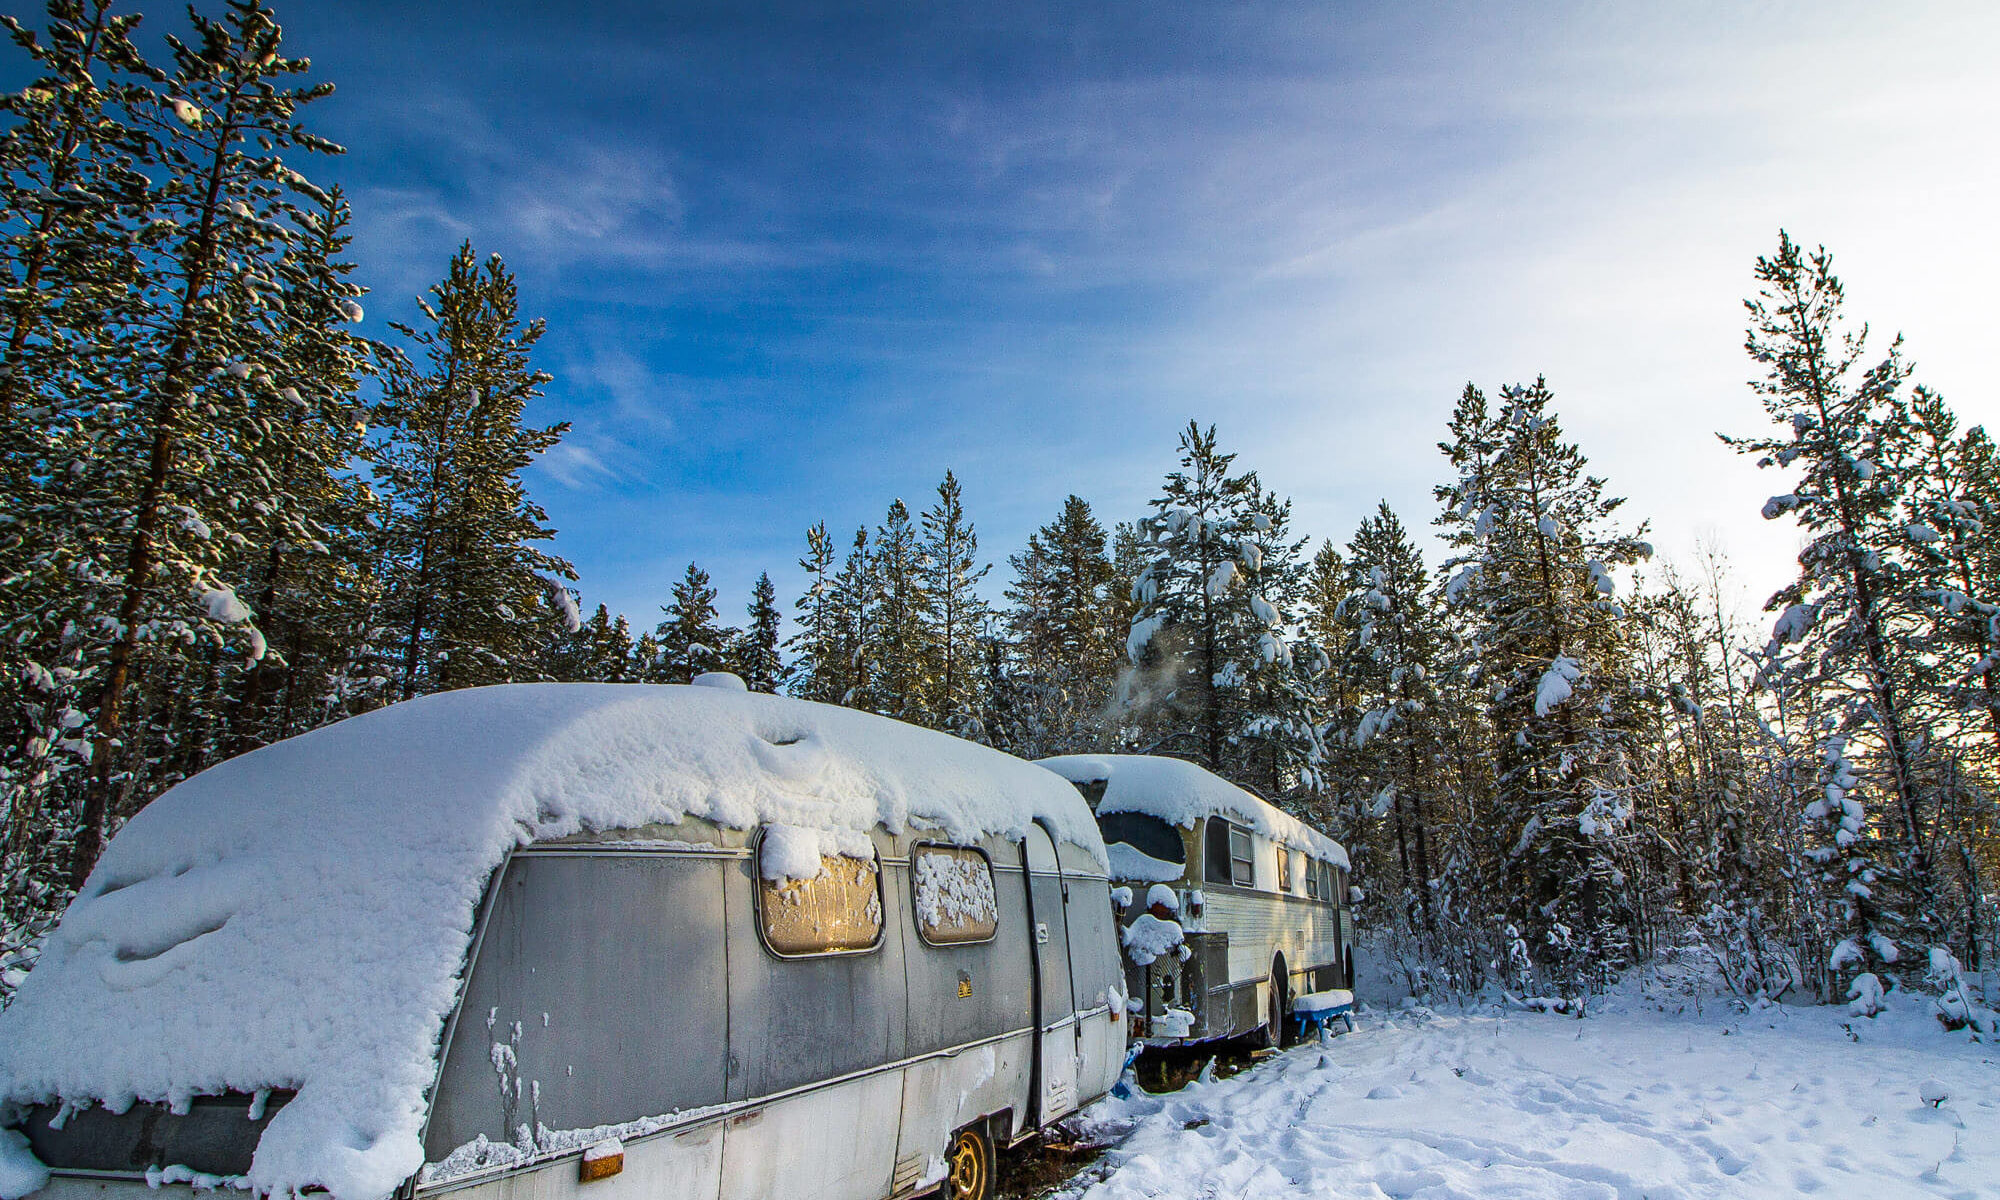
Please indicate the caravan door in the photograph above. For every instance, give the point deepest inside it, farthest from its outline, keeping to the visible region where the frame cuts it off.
(1055, 1002)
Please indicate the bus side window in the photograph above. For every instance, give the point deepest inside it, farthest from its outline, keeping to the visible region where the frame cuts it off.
(1284, 869)
(1216, 851)
(1242, 868)
(1310, 869)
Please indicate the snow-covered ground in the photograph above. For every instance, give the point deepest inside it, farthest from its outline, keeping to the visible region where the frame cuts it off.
(1628, 1104)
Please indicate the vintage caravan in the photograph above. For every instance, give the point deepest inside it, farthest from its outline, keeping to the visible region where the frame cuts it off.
(1230, 908)
(546, 941)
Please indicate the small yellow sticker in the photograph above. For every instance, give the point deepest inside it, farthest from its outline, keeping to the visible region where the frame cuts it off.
(964, 988)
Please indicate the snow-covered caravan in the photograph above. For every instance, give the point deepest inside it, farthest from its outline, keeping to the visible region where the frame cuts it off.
(541, 941)
(1231, 908)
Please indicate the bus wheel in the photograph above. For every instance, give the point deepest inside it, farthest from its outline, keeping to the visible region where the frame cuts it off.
(1280, 1004)
(968, 1166)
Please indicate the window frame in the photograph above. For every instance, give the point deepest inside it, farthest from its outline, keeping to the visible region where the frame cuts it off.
(916, 914)
(758, 886)
(1246, 860)
(1284, 868)
(1310, 877)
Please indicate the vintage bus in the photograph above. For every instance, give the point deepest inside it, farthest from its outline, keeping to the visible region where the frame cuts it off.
(1230, 908)
(546, 941)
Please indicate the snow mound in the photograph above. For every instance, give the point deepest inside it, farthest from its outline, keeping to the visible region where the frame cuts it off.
(1148, 937)
(1181, 793)
(1141, 867)
(296, 917)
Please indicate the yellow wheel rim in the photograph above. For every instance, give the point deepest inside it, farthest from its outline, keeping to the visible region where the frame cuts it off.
(968, 1167)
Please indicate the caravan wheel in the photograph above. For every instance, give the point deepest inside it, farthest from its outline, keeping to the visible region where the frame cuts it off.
(969, 1167)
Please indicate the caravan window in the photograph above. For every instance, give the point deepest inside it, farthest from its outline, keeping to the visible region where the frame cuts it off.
(838, 911)
(955, 900)
(1228, 853)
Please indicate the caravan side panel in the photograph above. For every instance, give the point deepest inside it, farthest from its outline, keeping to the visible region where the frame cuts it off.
(596, 998)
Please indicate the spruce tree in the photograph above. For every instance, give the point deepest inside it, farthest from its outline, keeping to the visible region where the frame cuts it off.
(1844, 427)
(901, 648)
(1399, 644)
(757, 659)
(1194, 629)
(819, 668)
(1063, 618)
(856, 590)
(691, 641)
(1535, 552)
(468, 591)
(956, 616)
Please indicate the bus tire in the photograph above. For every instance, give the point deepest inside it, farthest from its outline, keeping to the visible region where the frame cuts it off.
(1275, 1020)
(968, 1166)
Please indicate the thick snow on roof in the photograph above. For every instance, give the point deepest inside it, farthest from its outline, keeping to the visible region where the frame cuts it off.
(296, 917)
(1181, 793)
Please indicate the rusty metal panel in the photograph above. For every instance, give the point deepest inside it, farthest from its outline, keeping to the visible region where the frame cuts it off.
(597, 998)
(1205, 971)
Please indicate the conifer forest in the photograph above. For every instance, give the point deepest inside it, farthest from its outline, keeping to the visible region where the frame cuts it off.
(228, 517)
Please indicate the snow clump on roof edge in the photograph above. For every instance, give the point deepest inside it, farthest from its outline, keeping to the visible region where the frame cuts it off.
(1181, 793)
(297, 916)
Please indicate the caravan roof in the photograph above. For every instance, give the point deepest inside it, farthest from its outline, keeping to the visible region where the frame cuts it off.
(296, 917)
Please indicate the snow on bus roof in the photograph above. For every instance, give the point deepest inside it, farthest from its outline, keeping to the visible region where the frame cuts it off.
(297, 917)
(1181, 793)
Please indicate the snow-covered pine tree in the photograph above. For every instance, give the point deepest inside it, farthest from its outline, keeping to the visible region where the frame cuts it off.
(222, 210)
(1062, 620)
(856, 592)
(1951, 524)
(757, 659)
(1279, 748)
(1855, 610)
(691, 640)
(819, 669)
(468, 591)
(950, 572)
(1398, 644)
(1532, 564)
(598, 651)
(71, 201)
(307, 562)
(902, 651)
(1194, 633)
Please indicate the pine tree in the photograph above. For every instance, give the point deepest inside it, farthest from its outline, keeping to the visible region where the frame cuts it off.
(901, 650)
(1195, 630)
(1845, 426)
(949, 573)
(467, 590)
(1535, 554)
(221, 212)
(757, 659)
(1062, 616)
(1399, 647)
(856, 592)
(691, 641)
(819, 669)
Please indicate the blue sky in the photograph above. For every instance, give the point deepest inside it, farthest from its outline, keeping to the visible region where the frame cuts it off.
(797, 261)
